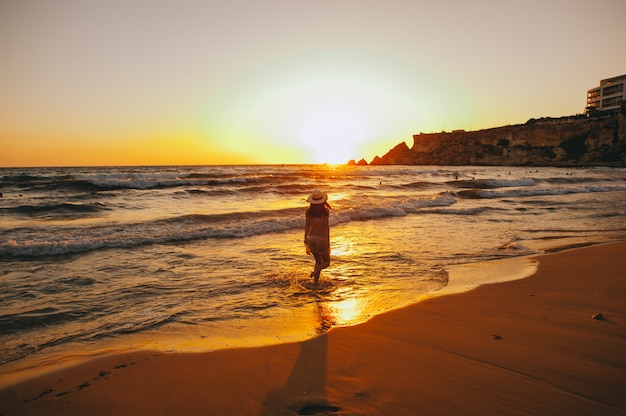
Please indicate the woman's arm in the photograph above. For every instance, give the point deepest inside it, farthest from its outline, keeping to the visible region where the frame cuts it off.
(307, 225)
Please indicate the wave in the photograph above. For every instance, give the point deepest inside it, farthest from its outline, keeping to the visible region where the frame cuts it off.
(362, 194)
(109, 181)
(539, 191)
(48, 241)
(527, 182)
(36, 318)
(59, 241)
(418, 185)
(571, 180)
(492, 183)
(43, 319)
(192, 184)
(62, 210)
(164, 182)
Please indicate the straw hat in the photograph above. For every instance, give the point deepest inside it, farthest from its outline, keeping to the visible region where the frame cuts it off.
(317, 197)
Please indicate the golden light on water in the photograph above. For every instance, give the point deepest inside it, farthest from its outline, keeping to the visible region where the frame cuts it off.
(342, 246)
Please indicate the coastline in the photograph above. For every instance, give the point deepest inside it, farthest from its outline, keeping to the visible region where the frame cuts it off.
(526, 346)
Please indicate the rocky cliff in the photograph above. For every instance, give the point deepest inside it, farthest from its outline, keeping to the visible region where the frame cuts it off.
(568, 141)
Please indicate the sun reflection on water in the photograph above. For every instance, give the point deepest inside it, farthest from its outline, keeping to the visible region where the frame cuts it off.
(342, 247)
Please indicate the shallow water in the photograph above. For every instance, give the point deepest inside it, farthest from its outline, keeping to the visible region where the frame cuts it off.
(197, 258)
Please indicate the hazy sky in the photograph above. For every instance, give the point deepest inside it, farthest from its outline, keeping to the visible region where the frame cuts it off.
(125, 82)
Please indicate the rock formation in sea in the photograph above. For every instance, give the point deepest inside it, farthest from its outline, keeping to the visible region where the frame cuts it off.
(566, 141)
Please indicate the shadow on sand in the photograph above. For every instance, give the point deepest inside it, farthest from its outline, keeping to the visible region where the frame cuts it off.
(304, 392)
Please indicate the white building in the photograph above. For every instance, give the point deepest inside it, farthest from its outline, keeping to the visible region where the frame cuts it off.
(608, 96)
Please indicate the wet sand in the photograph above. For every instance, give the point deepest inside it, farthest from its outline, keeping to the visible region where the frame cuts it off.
(526, 347)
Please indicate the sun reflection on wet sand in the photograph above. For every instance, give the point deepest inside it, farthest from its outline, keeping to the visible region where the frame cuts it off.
(343, 307)
(348, 311)
(339, 313)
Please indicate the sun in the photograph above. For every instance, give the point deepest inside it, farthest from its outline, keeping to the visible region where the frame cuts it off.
(332, 133)
(315, 109)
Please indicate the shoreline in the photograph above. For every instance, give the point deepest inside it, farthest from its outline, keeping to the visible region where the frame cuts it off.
(527, 346)
(298, 327)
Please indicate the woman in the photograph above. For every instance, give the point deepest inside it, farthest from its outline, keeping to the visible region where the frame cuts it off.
(316, 231)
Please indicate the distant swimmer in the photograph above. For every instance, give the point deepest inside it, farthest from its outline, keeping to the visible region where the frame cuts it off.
(317, 232)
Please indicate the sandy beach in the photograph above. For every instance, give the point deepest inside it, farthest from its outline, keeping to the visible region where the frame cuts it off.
(528, 347)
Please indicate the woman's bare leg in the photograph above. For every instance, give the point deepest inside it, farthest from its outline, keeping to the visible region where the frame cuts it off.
(318, 268)
(320, 263)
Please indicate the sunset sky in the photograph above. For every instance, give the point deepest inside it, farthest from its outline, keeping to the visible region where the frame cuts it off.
(152, 82)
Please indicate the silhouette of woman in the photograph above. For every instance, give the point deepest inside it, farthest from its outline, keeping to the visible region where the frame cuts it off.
(317, 233)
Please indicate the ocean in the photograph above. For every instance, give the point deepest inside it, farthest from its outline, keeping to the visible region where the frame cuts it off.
(196, 258)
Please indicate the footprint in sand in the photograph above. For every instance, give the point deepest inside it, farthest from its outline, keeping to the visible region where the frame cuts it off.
(313, 409)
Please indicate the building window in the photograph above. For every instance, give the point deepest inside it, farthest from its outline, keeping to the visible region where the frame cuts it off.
(613, 89)
(611, 102)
